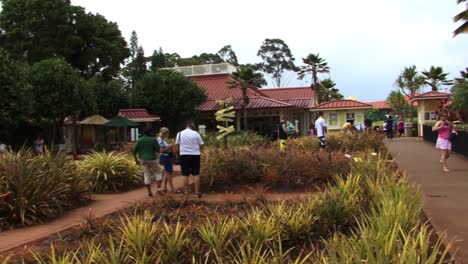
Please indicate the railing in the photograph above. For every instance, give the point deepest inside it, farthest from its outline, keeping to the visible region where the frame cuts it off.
(459, 145)
(205, 69)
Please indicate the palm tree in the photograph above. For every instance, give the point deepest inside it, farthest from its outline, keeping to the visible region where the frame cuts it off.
(410, 82)
(314, 65)
(435, 77)
(463, 17)
(244, 79)
(328, 92)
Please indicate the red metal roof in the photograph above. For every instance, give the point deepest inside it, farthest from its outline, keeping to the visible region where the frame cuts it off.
(339, 104)
(256, 102)
(380, 104)
(431, 95)
(289, 93)
(216, 88)
(138, 115)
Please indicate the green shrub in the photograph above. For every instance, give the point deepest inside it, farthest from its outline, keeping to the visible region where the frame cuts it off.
(36, 188)
(237, 139)
(111, 171)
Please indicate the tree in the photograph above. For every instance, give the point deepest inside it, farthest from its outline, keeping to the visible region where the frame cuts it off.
(397, 102)
(328, 92)
(169, 94)
(314, 65)
(410, 82)
(136, 65)
(435, 77)
(58, 92)
(277, 58)
(34, 30)
(15, 98)
(462, 17)
(228, 55)
(244, 79)
(110, 95)
(158, 60)
(460, 92)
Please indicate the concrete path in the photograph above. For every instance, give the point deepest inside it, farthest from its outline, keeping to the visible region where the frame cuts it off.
(102, 205)
(445, 194)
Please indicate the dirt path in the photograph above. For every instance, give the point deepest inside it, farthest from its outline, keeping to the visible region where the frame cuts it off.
(445, 194)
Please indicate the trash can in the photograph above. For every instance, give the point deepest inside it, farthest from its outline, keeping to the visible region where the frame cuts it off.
(408, 129)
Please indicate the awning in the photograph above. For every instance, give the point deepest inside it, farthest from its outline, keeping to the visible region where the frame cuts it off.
(120, 122)
(94, 120)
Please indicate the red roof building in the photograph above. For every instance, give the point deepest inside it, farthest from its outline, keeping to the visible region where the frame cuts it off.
(432, 95)
(138, 115)
(380, 105)
(342, 105)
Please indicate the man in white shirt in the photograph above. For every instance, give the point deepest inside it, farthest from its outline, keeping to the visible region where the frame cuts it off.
(321, 129)
(190, 143)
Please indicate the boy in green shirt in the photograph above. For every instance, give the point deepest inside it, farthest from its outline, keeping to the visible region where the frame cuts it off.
(146, 152)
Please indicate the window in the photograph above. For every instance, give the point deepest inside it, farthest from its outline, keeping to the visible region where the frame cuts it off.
(430, 115)
(333, 119)
(350, 118)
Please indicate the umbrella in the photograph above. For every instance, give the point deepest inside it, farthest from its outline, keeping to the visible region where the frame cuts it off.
(119, 122)
(94, 120)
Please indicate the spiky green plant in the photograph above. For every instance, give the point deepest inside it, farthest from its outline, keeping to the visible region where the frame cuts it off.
(218, 234)
(172, 242)
(111, 171)
(139, 234)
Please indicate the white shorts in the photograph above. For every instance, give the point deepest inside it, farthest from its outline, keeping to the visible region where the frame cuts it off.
(444, 144)
(151, 169)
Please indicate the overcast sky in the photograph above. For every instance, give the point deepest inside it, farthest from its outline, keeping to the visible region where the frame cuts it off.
(366, 42)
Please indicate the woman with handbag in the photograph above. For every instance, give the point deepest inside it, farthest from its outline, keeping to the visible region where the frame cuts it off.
(444, 128)
(165, 159)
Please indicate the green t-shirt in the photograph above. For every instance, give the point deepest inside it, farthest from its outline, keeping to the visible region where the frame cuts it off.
(146, 148)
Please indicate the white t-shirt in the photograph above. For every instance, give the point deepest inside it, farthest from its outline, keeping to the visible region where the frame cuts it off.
(320, 127)
(189, 142)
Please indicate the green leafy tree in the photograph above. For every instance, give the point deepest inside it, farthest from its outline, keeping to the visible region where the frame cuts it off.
(328, 91)
(58, 92)
(435, 78)
(158, 60)
(397, 102)
(136, 66)
(463, 18)
(314, 65)
(228, 55)
(169, 94)
(244, 79)
(34, 30)
(460, 92)
(15, 98)
(110, 95)
(410, 82)
(277, 58)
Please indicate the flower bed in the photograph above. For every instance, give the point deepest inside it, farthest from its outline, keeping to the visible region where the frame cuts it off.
(369, 216)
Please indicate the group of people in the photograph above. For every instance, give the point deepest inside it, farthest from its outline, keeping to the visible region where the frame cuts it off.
(390, 127)
(288, 130)
(155, 152)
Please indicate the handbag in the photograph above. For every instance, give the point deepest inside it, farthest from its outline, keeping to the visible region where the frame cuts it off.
(176, 159)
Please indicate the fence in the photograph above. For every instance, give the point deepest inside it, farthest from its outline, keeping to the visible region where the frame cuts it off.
(459, 145)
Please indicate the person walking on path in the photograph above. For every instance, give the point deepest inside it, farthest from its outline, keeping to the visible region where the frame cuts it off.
(444, 128)
(190, 143)
(39, 145)
(401, 127)
(321, 129)
(146, 153)
(165, 159)
(282, 135)
(389, 127)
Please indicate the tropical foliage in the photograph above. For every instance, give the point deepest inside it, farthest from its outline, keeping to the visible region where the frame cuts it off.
(277, 58)
(371, 216)
(398, 103)
(328, 91)
(111, 171)
(314, 65)
(37, 188)
(410, 82)
(463, 18)
(460, 91)
(435, 78)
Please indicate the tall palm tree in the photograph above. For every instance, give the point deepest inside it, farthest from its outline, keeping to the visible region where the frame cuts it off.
(463, 17)
(328, 91)
(435, 77)
(314, 65)
(244, 79)
(410, 82)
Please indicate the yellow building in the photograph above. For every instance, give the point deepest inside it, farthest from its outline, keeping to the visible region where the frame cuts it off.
(337, 113)
(428, 105)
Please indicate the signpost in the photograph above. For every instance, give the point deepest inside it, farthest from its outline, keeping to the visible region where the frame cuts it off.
(226, 116)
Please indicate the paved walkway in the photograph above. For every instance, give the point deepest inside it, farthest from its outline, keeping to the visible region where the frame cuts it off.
(445, 194)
